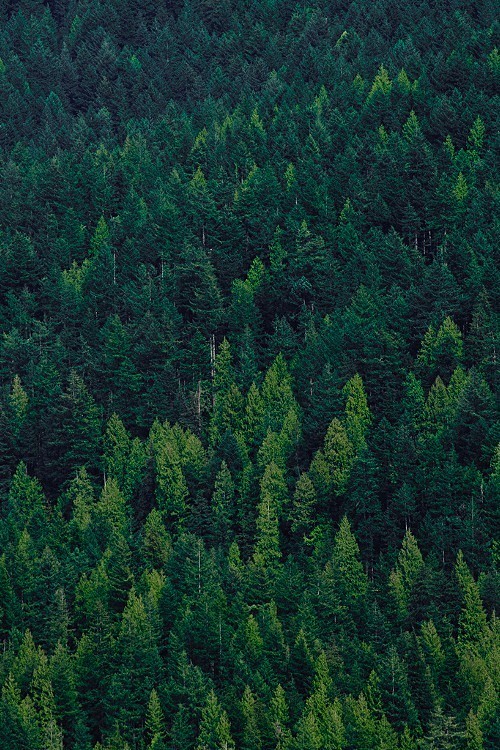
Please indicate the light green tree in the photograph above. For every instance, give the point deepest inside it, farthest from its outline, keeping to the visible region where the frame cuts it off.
(155, 723)
(473, 630)
(405, 573)
(346, 569)
(215, 729)
(357, 412)
(339, 452)
(223, 504)
(279, 719)
(273, 496)
(116, 450)
(251, 739)
(304, 501)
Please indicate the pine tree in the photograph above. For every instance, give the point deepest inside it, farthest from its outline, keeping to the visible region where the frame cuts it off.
(156, 542)
(214, 731)
(43, 699)
(339, 452)
(301, 664)
(278, 718)
(19, 402)
(308, 734)
(62, 677)
(9, 605)
(79, 438)
(25, 504)
(273, 496)
(304, 502)
(111, 514)
(277, 395)
(433, 650)
(80, 498)
(327, 714)
(395, 689)
(358, 417)
(348, 578)
(222, 381)
(19, 724)
(120, 377)
(155, 723)
(223, 505)
(443, 733)
(473, 626)
(137, 668)
(405, 574)
(441, 351)
(171, 488)
(116, 450)
(119, 574)
(251, 738)
(361, 726)
(473, 732)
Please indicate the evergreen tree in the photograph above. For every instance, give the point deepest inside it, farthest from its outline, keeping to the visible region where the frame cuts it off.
(223, 502)
(358, 416)
(273, 496)
(137, 668)
(258, 240)
(443, 732)
(473, 627)
(344, 575)
(304, 502)
(155, 722)
(405, 574)
(251, 734)
(214, 731)
(278, 719)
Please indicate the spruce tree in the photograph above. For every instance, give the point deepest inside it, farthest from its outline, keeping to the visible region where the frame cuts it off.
(215, 731)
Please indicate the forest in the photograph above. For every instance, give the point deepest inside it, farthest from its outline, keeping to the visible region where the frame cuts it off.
(249, 382)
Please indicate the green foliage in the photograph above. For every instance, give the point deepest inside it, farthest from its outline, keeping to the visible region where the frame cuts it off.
(304, 501)
(171, 487)
(249, 312)
(349, 577)
(406, 573)
(214, 731)
(441, 350)
(473, 628)
(382, 83)
(273, 496)
(358, 417)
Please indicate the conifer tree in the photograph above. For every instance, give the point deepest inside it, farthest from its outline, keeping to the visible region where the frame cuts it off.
(345, 568)
(156, 542)
(308, 734)
(116, 450)
(358, 417)
(223, 504)
(119, 574)
(155, 723)
(273, 496)
(251, 734)
(25, 503)
(215, 733)
(171, 488)
(443, 732)
(304, 502)
(338, 451)
(278, 720)
(277, 395)
(405, 574)
(137, 668)
(473, 626)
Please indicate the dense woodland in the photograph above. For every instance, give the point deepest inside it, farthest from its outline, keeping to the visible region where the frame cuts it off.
(249, 413)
